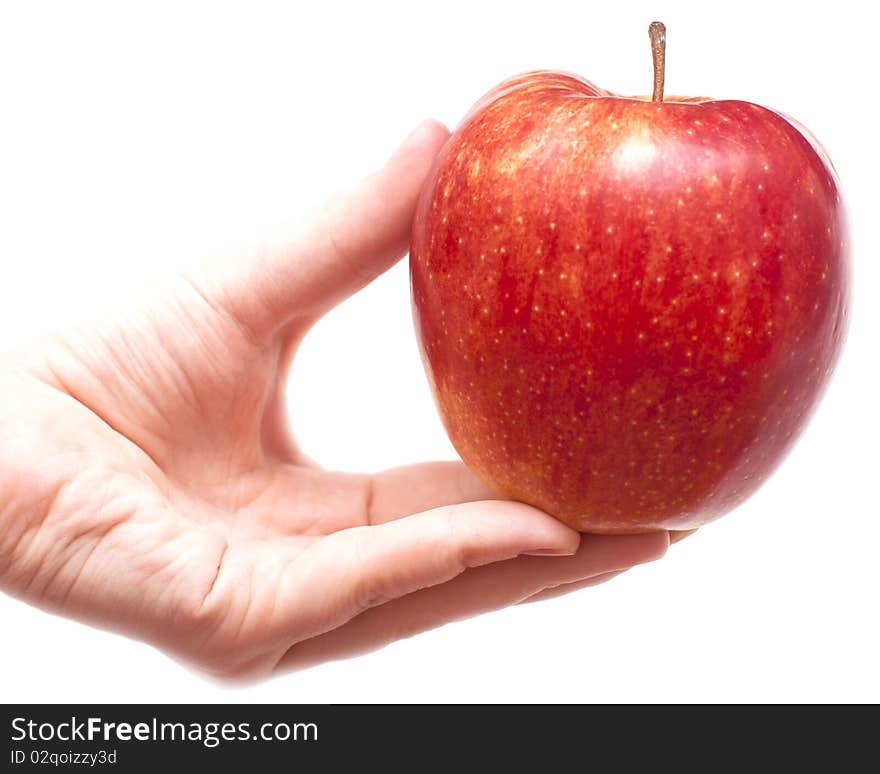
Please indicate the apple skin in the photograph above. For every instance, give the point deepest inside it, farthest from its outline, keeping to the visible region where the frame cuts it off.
(627, 310)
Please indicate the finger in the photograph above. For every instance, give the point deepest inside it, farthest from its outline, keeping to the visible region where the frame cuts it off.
(306, 268)
(355, 569)
(414, 488)
(479, 590)
(567, 588)
(357, 499)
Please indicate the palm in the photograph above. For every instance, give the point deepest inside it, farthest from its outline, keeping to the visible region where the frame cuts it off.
(200, 488)
(176, 506)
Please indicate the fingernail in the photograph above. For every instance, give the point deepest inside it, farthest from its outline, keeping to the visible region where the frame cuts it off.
(676, 535)
(548, 552)
(416, 137)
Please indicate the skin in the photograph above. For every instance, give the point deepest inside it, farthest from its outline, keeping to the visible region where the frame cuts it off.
(150, 484)
(627, 309)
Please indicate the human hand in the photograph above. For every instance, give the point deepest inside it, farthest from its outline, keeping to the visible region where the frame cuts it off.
(149, 482)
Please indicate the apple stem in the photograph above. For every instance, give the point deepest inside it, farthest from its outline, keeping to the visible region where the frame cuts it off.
(657, 33)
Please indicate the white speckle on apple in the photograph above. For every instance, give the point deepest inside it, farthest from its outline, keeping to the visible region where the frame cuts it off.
(634, 153)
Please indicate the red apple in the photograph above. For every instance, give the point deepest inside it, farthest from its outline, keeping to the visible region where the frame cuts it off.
(627, 308)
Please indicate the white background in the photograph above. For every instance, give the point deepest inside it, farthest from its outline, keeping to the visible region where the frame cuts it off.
(132, 135)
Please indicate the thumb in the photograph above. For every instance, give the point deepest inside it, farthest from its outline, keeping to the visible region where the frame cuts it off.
(302, 270)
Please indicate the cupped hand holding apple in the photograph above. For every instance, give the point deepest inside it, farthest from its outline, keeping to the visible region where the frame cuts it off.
(627, 307)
